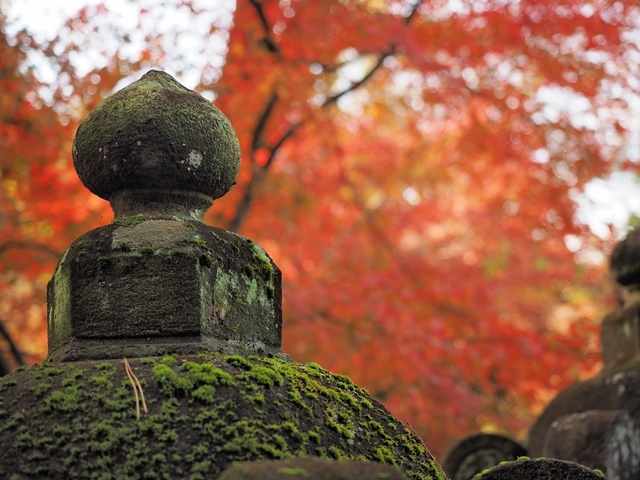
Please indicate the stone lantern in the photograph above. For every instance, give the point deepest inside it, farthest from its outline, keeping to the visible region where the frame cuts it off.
(596, 422)
(165, 356)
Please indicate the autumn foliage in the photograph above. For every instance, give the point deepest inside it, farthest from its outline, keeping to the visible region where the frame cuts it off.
(410, 165)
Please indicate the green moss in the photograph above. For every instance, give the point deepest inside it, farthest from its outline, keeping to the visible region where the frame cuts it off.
(258, 398)
(213, 408)
(240, 362)
(101, 380)
(123, 246)
(262, 259)
(106, 367)
(337, 453)
(40, 389)
(293, 471)
(147, 249)
(12, 422)
(206, 393)
(207, 374)
(385, 455)
(169, 360)
(169, 381)
(66, 399)
(314, 435)
(196, 240)
(265, 376)
(131, 221)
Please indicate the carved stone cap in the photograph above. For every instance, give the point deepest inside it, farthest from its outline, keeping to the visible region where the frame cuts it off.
(156, 135)
(625, 260)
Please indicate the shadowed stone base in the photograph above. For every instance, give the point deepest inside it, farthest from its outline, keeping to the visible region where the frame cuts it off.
(130, 347)
(608, 440)
(478, 452)
(540, 469)
(311, 468)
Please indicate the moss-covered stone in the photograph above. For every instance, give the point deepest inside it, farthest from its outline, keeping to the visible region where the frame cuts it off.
(204, 413)
(156, 134)
(159, 284)
(311, 468)
(539, 469)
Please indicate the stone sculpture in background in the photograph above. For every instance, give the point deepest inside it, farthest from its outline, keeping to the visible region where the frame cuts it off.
(595, 422)
(478, 452)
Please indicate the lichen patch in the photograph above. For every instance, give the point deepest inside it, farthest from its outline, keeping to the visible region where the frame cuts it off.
(195, 158)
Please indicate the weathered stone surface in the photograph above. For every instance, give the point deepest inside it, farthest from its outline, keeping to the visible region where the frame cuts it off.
(608, 440)
(597, 421)
(138, 286)
(77, 420)
(625, 260)
(155, 134)
(607, 391)
(311, 468)
(539, 469)
(620, 337)
(157, 279)
(478, 452)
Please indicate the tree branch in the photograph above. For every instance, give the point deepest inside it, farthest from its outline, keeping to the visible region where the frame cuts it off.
(269, 43)
(12, 345)
(259, 175)
(353, 86)
(383, 56)
(18, 244)
(288, 134)
(262, 121)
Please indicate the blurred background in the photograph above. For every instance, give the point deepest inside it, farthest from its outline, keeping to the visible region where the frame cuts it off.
(440, 181)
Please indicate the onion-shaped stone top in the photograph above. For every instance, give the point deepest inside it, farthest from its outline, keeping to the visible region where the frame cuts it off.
(156, 134)
(625, 260)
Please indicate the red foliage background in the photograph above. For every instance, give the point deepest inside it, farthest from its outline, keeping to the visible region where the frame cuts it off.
(401, 164)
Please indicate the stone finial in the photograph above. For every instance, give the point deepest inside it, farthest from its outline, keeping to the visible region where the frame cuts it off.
(157, 280)
(620, 332)
(154, 146)
(625, 260)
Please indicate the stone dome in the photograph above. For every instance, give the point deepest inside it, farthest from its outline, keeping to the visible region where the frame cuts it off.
(80, 419)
